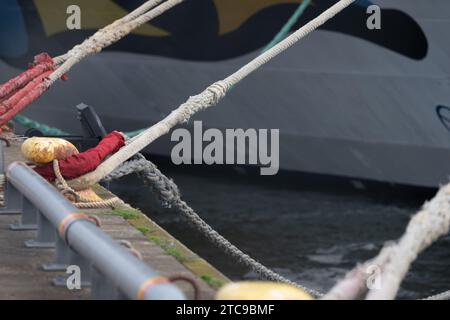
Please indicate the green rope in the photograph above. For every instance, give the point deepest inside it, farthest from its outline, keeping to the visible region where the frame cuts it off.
(49, 131)
(31, 124)
(288, 26)
(132, 134)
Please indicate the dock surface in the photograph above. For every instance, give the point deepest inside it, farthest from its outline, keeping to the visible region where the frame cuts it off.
(22, 275)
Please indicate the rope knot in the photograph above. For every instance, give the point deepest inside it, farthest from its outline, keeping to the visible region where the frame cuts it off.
(219, 90)
(210, 97)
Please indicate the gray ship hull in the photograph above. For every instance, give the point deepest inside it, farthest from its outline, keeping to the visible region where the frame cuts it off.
(344, 106)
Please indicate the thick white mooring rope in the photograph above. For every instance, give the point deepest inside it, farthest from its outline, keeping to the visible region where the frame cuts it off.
(210, 97)
(394, 261)
(441, 296)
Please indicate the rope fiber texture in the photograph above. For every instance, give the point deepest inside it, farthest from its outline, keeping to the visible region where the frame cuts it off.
(352, 287)
(168, 194)
(441, 296)
(395, 259)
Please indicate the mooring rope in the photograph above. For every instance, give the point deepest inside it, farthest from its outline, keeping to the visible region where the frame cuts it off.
(395, 259)
(83, 48)
(432, 222)
(441, 296)
(168, 194)
(47, 130)
(51, 131)
(210, 97)
(110, 35)
(21, 91)
(79, 200)
(352, 287)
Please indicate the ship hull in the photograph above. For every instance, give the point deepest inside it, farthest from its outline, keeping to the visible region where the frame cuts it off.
(344, 106)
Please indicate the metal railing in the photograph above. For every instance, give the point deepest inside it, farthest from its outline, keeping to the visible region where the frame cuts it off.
(109, 268)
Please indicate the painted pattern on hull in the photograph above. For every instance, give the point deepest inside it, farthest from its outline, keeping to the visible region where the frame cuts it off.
(231, 19)
(53, 16)
(201, 30)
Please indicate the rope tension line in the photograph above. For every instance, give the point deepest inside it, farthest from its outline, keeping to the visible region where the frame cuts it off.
(30, 123)
(209, 97)
(395, 259)
(168, 195)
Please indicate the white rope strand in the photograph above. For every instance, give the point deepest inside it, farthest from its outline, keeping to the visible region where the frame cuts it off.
(110, 35)
(394, 261)
(140, 11)
(129, 17)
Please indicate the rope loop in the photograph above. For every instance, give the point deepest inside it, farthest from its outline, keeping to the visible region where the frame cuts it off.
(127, 244)
(79, 201)
(95, 219)
(193, 282)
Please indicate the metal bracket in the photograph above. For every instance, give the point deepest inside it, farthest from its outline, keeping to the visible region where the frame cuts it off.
(62, 257)
(74, 259)
(93, 129)
(103, 288)
(28, 219)
(13, 201)
(46, 234)
(90, 121)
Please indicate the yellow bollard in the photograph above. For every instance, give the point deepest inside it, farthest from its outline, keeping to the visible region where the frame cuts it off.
(40, 150)
(89, 195)
(261, 290)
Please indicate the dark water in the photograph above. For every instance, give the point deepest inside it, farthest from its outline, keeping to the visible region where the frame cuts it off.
(308, 230)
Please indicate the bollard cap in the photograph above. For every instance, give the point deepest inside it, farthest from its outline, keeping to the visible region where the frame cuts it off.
(41, 150)
(261, 290)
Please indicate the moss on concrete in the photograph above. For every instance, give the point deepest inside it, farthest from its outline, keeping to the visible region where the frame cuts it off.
(126, 213)
(171, 246)
(143, 229)
(212, 282)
